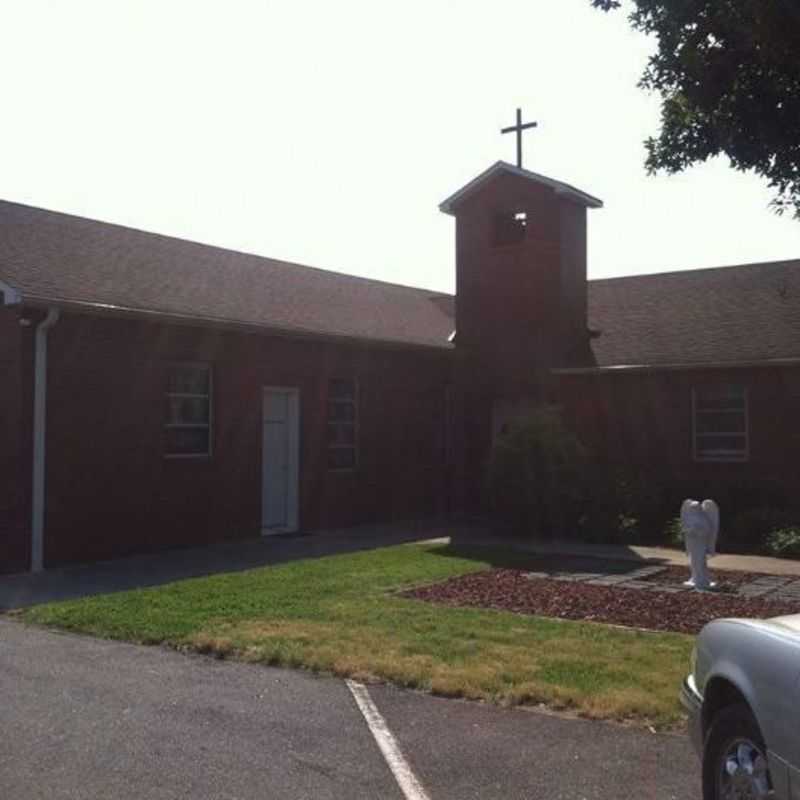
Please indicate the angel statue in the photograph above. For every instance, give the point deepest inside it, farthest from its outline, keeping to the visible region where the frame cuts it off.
(700, 526)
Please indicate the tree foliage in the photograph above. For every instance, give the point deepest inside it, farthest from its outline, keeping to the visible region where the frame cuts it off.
(728, 72)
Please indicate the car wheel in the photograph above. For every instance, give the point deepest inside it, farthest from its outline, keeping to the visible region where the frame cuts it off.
(735, 758)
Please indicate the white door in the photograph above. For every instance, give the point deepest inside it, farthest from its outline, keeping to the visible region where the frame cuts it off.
(280, 460)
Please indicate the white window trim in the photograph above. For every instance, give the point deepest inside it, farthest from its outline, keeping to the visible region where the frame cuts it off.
(722, 456)
(356, 426)
(209, 396)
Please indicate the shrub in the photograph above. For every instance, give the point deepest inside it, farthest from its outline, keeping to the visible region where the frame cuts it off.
(537, 476)
(784, 542)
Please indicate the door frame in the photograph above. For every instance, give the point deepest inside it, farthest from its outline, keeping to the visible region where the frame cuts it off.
(293, 477)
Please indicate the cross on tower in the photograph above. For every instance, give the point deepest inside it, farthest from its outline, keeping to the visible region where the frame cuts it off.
(518, 128)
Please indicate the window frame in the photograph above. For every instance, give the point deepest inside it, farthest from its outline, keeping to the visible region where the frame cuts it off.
(176, 425)
(356, 424)
(721, 456)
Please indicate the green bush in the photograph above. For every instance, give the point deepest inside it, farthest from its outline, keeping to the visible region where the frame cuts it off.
(784, 542)
(537, 476)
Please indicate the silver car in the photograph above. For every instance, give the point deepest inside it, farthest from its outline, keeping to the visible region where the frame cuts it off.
(742, 698)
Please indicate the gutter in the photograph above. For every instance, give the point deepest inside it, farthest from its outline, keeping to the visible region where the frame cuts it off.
(39, 440)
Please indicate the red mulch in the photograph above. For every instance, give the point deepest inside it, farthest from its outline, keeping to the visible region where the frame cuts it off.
(510, 590)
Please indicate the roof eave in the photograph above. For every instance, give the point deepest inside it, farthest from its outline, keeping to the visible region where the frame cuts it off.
(152, 315)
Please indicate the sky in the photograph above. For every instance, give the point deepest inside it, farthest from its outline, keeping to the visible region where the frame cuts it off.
(327, 133)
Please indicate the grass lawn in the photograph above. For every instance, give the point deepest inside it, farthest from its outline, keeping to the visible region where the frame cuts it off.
(340, 615)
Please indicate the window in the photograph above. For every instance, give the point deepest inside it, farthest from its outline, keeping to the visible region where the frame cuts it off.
(720, 423)
(342, 424)
(187, 430)
(509, 228)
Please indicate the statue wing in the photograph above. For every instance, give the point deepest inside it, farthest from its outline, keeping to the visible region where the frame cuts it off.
(685, 506)
(712, 512)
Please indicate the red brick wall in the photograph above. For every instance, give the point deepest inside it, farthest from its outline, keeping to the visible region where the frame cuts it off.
(520, 309)
(15, 441)
(644, 421)
(520, 306)
(110, 491)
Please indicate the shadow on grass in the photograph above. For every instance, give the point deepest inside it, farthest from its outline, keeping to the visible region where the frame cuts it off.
(511, 554)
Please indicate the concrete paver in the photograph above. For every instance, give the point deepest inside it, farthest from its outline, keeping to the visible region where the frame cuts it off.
(657, 555)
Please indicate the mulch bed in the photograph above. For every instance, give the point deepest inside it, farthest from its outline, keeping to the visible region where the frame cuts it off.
(512, 590)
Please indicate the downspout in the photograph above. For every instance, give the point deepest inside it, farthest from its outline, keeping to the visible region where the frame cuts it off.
(39, 441)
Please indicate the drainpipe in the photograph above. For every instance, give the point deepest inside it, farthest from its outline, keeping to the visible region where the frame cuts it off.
(39, 442)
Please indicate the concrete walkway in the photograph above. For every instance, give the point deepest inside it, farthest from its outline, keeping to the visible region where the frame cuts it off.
(659, 555)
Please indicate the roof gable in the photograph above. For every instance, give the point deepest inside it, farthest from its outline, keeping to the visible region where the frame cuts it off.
(560, 188)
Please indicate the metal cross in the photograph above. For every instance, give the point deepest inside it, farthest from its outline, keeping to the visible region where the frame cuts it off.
(518, 128)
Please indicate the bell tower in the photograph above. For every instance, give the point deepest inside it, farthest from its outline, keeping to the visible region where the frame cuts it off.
(520, 279)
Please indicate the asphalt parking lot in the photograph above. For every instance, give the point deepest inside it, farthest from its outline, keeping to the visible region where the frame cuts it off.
(84, 718)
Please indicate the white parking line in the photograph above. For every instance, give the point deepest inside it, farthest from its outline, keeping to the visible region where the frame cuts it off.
(406, 780)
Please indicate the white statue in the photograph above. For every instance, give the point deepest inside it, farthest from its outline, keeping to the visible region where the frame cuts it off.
(700, 526)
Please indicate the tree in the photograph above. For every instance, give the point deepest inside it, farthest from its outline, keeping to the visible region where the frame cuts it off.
(728, 72)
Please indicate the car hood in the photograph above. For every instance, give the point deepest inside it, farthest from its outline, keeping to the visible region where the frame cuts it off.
(790, 622)
(788, 625)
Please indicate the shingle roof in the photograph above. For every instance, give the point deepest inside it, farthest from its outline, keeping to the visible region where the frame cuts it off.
(727, 314)
(52, 256)
(722, 315)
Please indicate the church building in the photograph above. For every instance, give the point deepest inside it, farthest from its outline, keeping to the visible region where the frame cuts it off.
(157, 393)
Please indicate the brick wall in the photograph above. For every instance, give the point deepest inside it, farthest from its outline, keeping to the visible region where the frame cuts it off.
(643, 421)
(110, 491)
(521, 306)
(15, 441)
